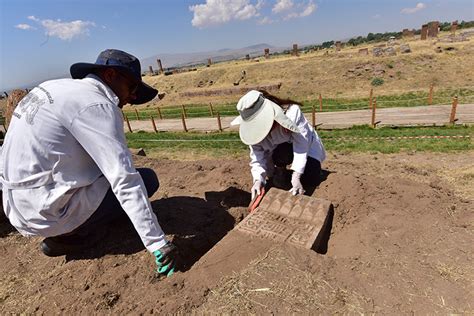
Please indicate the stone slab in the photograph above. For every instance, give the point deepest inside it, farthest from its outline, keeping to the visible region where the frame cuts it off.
(301, 221)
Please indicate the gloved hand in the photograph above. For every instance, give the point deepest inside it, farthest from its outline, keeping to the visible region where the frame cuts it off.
(165, 259)
(256, 188)
(297, 187)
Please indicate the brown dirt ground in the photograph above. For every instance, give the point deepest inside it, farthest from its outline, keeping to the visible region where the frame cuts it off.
(402, 242)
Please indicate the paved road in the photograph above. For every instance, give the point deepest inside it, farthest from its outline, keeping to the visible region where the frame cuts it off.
(421, 115)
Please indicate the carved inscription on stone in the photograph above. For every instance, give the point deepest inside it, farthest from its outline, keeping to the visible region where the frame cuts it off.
(281, 217)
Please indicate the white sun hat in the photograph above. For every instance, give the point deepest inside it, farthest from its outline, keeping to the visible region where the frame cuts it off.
(257, 114)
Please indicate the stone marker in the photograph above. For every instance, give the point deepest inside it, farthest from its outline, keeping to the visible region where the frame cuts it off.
(408, 33)
(433, 29)
(377, 51)
(363, 51)
(301, 221)
(295, 50)
(424, 31)
(338, 46)
(390, 51)
(13, 99)
(405, 48)
(454, 26)
(160, 66)
(267, 52)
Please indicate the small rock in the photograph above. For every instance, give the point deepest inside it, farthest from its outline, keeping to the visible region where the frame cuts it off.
(138, 152)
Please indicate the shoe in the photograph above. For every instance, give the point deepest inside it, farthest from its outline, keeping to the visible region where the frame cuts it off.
(69, 244)
(61, 245)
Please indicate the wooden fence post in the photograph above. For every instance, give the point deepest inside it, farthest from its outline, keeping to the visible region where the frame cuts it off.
(211, 110)
(219, 124)
(374, 106)
(184, 111)
(371, 97)
(313, 116)
(430, 96)
(128, 124)
(183, 119)
(452, 117)
(320, 103)
(159, 114)
(153, 123)
(136, 114)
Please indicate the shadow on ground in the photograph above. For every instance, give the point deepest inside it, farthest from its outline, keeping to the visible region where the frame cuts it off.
(195, 224)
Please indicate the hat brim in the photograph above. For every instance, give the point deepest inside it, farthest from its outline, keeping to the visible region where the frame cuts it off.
(144, 93)
(254, 130)
(284, 120)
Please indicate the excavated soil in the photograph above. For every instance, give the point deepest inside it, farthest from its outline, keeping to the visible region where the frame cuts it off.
(401, 242)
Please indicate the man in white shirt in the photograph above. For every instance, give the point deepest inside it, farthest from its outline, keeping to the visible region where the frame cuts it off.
(65, 167)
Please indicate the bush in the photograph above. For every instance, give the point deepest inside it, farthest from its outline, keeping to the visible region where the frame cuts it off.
(377, 81)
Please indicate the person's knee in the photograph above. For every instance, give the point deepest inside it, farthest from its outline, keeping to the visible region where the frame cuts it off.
(150, 179)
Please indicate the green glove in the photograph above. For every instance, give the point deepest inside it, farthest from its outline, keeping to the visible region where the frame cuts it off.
(165, 259)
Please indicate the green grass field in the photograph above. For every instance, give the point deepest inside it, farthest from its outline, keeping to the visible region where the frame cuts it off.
(329, 105)
(356, 139)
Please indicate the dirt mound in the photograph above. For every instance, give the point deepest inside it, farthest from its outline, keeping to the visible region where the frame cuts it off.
(401, 242)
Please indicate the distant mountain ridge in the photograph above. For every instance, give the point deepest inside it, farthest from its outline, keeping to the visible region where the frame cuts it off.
(189, 59)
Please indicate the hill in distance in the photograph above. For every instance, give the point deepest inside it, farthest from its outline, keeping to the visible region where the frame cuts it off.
(188, 59)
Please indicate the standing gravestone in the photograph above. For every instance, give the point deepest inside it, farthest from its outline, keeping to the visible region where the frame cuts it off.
(454, 27)
(160, 66)
(295, 50)
(433, 29)
(424, 31)
(267, 53)
(13, 99)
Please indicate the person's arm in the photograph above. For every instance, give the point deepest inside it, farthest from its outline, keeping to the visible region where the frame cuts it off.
(258, 161)
(302, 140)
(99, 129)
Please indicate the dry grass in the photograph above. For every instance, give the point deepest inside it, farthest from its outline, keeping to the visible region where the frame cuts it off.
(306, 76)
(264, 287)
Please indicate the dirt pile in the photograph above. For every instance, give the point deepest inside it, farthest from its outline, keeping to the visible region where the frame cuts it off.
(401, 242)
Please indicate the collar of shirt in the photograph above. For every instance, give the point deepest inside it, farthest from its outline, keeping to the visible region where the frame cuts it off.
(96, 81)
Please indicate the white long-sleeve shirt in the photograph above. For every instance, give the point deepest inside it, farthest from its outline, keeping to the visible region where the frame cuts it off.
(305, 143)
(64, 149)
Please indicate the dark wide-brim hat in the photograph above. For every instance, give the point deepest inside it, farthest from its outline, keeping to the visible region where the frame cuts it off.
(120, 60)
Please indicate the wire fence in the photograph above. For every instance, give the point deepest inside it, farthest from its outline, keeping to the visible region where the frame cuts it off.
(464, 95)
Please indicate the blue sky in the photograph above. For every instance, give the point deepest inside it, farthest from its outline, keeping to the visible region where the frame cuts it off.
(40, 39)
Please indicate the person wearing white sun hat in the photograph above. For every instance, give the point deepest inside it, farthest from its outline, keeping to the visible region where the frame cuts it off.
(278, 135)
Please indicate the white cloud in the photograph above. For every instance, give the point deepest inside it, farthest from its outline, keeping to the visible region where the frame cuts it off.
(282, 6)
(266, 20)
(309, 9)
(24, 27)
(63, 30)
(376, 16)
(66, 30)
(302, 10)
(419, 6)
(215, 12)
